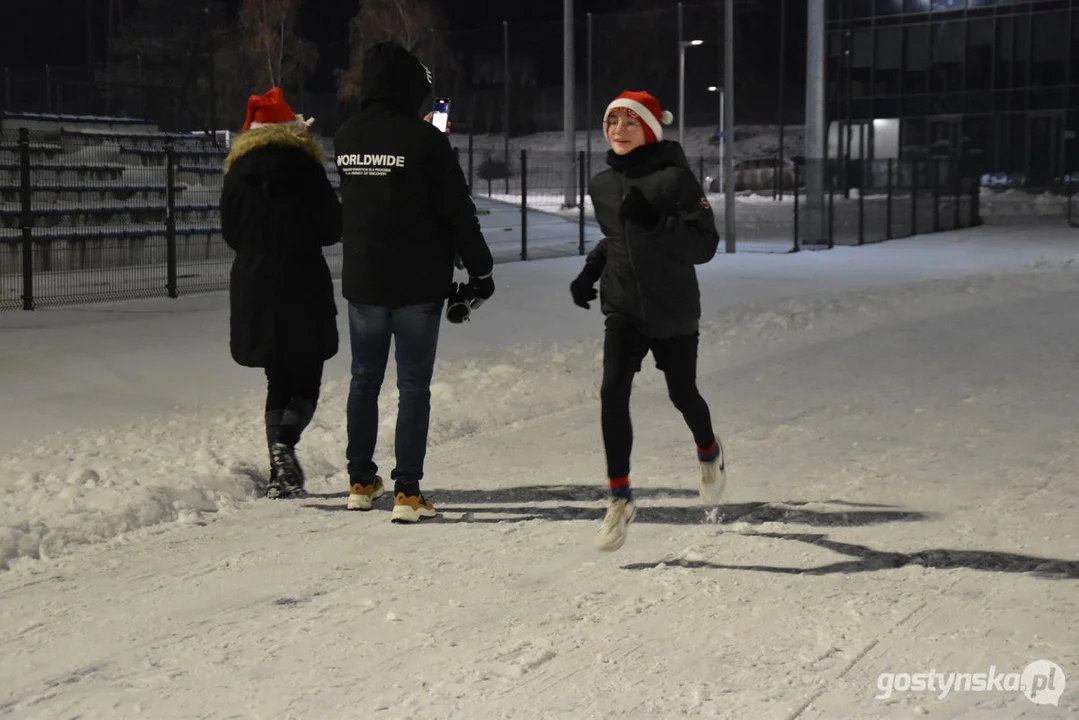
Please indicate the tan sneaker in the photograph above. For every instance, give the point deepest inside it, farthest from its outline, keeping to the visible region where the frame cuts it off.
(361, 496)
(411, 508)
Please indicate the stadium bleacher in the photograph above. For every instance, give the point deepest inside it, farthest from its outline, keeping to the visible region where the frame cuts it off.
(99, 192)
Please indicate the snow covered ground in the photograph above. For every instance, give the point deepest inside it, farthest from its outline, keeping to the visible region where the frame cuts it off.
(900, 421)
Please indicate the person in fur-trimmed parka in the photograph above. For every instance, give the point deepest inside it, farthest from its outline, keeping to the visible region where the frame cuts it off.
(278, 210)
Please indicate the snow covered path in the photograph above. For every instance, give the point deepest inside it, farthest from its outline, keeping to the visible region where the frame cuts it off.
(100, 366)
(903, 498)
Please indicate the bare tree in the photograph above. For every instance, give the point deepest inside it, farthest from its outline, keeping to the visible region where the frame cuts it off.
(160, 62)
(416, 24)
(275, 52)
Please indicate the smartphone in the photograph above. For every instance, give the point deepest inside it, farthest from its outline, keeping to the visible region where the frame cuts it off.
(441, 116)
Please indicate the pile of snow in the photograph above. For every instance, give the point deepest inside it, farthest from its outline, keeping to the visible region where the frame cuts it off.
(1011, 205)
(91, 486)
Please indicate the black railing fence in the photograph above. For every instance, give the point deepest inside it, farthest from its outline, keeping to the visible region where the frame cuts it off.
(503, 78)
(89, 215)
(864, 201)
(874, 200)
(116, 212)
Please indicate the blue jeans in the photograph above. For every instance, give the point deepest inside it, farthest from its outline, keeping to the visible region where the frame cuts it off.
(414, 330)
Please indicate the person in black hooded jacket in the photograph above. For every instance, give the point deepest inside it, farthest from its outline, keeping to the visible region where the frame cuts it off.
(657, 225)
(407, 215)
(278, 210)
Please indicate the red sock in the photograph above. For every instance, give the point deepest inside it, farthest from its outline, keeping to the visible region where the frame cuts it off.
(620, 487)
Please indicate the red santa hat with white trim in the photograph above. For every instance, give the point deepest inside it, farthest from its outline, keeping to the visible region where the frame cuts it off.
(645, 107)
(271, 109)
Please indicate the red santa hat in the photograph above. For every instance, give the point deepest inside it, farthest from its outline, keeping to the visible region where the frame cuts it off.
(271, 109)
(645, 107)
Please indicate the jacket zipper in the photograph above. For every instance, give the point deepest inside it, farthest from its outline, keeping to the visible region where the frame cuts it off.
(629, 254)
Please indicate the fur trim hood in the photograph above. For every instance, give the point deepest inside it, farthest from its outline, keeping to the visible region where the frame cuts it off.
(291, 134)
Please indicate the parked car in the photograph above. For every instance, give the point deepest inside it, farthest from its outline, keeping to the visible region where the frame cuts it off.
(1003, 180)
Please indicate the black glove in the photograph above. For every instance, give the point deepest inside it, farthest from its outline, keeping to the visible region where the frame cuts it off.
(637, 209)
(481, 289)
(460, 303)
(583, 290)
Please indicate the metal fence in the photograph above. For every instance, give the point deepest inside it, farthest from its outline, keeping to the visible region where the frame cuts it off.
(120, 210)
(508, 78)
(871, 201)
(864, 201)
(110, 213)
(503, 78)
(507, 86)
(102, 215)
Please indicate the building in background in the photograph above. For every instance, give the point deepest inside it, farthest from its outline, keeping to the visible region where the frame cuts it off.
(994, 80)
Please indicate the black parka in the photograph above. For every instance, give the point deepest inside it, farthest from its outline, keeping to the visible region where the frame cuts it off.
(278, 210)
(647, 274)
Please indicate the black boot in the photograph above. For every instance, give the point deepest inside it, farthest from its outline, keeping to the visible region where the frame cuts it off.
(286, 475)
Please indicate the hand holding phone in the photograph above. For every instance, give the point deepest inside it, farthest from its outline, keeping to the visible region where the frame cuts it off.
(440, 117)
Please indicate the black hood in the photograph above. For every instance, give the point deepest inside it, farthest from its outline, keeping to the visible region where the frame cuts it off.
(648, 158)
(395, 77)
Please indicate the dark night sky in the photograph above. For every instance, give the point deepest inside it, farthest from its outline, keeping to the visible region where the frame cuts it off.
(36, 32)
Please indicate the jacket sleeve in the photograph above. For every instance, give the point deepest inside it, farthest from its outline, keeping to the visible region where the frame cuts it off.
(596, 261)
(328, 210)
(597, 258)
(231, 208)
(690, 231)
(456, 213)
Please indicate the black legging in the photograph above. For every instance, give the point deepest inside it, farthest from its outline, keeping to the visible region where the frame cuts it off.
(624, 348)
(292, 392)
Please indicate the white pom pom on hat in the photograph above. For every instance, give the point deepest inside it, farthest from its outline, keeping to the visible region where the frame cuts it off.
(647, 108)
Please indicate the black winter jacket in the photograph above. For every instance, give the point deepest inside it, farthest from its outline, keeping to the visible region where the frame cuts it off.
(278, 210)
(406, 207)
(647, 274)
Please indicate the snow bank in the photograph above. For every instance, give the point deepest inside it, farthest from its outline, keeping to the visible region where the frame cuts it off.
(1010, 205)
(88, 487)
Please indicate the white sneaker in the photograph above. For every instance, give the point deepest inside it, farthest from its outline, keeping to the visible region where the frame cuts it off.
(612, 533)
(714, 477)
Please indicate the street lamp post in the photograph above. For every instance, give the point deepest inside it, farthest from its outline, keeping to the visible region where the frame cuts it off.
(682, 45)
(722, 132)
